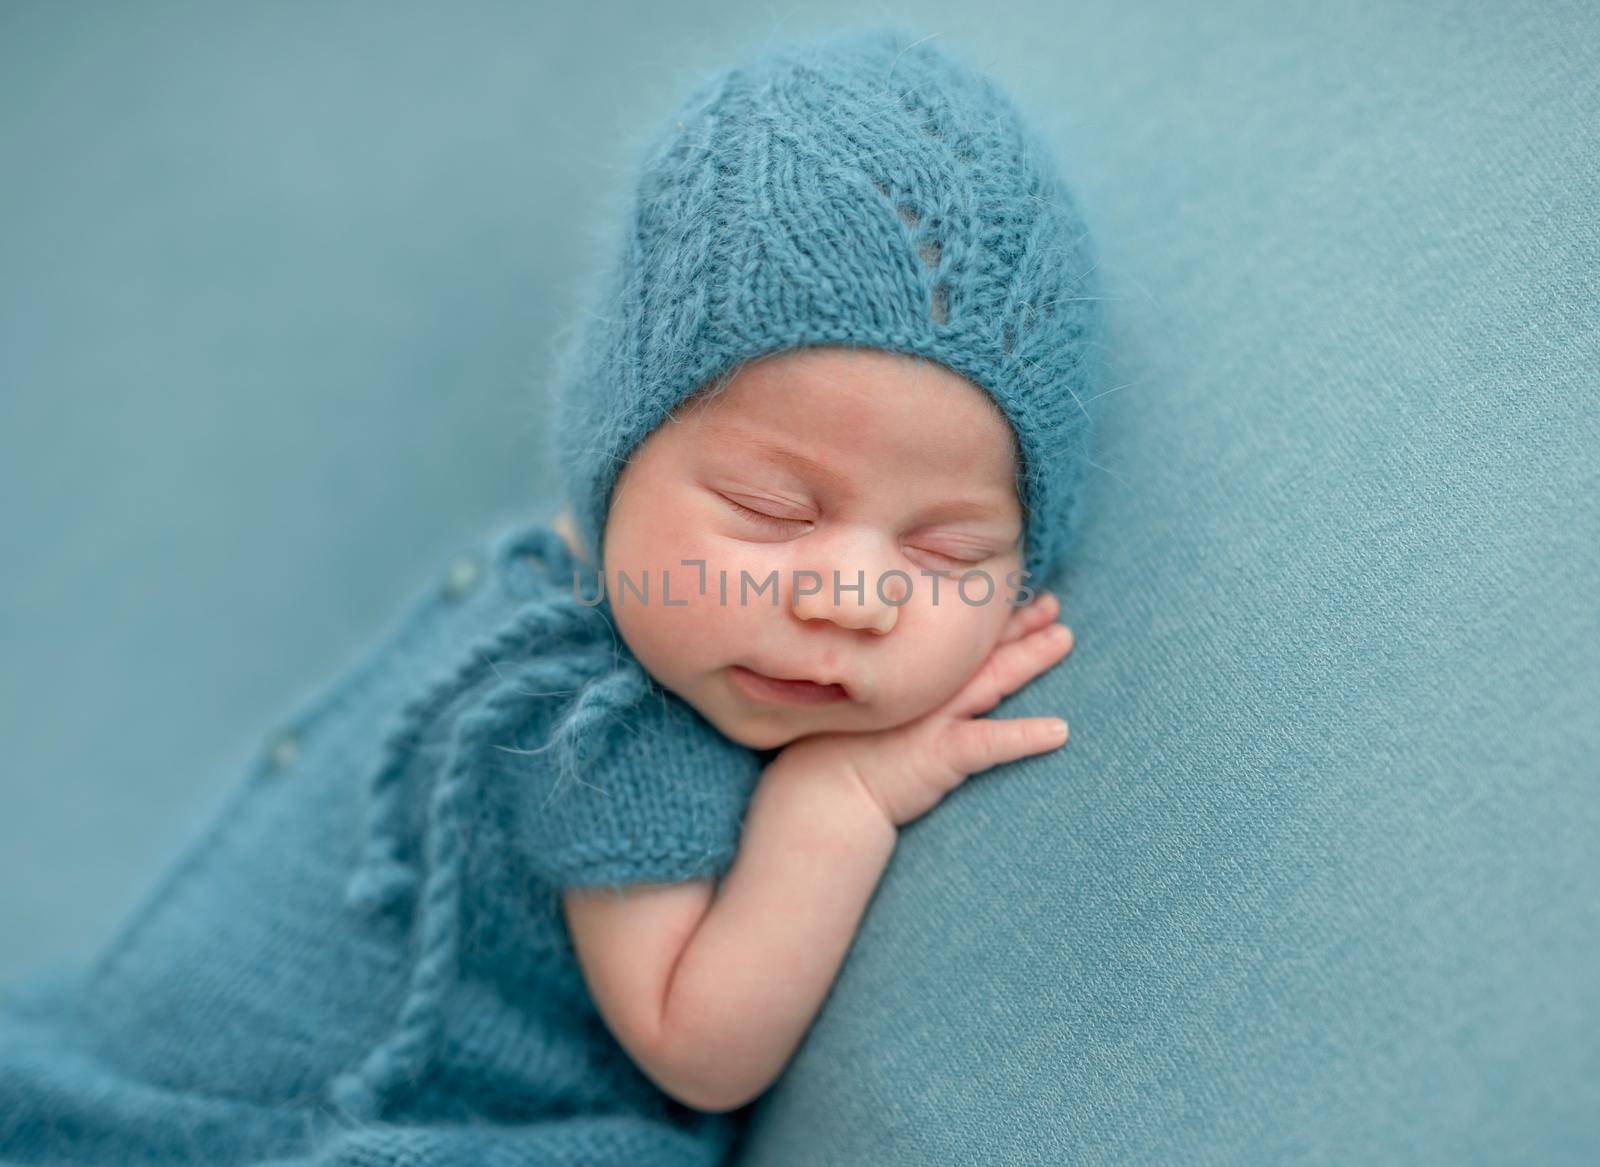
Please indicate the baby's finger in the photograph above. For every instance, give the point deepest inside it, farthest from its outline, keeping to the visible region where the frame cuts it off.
(978, 745)
(1009, 667)
(1035, 614)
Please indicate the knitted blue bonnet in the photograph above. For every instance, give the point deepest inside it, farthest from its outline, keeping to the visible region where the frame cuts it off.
(865, 189)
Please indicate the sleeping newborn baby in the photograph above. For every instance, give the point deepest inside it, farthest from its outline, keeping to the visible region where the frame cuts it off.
(562, 869)
(815, 471)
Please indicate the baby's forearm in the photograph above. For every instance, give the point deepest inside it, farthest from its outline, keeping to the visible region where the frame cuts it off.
(751, 979)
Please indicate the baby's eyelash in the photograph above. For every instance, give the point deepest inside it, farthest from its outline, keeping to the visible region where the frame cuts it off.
(774, 520)
(759, 516)
(953, 558)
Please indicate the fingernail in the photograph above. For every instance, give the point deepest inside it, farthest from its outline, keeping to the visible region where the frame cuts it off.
(1061, 729)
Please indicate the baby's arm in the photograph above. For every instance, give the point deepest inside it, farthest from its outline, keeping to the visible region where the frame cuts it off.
(711, 988)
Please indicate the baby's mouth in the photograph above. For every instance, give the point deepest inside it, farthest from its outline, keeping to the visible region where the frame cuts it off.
(795, 692)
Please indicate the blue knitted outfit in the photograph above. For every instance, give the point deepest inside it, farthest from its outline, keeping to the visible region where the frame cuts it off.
(363, 960)
(326, 977)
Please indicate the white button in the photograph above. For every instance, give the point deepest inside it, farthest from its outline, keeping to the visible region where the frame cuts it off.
(283, 752)
(462, 577)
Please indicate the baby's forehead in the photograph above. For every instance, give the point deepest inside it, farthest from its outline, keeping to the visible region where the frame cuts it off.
(883, 387)
(943, 417)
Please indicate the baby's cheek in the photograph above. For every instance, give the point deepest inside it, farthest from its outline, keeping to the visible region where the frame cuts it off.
(937, 663)
(666, 635)
(708, 631)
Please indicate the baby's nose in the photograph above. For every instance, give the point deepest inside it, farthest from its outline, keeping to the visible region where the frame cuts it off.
(857, 598)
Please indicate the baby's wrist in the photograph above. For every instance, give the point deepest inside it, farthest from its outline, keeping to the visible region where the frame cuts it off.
(817, 764)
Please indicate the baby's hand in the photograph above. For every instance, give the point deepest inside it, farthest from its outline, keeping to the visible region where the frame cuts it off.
(909, 768)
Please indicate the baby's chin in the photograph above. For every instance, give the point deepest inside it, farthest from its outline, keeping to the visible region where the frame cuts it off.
(767, 735)
(763, 739)
(776, 729)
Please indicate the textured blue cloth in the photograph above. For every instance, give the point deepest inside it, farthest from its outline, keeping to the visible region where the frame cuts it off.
(1317, 879)
(363, 960)
(869, 188)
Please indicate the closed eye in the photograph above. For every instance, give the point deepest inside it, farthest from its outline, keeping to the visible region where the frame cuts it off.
(762, 516)
(952, 558)
(786, 524)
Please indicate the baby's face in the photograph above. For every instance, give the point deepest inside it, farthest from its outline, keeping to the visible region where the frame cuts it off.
(908, 468)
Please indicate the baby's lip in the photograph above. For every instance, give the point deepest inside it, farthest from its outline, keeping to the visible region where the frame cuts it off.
(848, 687)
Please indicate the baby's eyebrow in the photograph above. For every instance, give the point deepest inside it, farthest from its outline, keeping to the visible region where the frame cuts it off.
(762, 444)
(964, 508)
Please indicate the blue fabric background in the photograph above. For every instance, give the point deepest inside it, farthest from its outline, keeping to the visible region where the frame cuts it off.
(1315, 879)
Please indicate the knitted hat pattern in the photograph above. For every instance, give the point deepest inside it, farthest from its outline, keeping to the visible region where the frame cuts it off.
(865, 189)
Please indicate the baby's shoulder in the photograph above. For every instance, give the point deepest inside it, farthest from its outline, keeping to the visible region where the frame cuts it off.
(516, 596)
(508, 596)
(505, 565)
(539, 544)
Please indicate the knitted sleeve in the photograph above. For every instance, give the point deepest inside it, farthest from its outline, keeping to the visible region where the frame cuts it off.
(634, 786)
